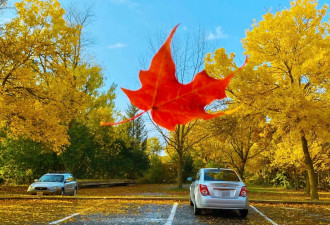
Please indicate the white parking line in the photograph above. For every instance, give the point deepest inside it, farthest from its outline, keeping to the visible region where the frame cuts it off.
(255, 209)
(171, 217)
(66, 218)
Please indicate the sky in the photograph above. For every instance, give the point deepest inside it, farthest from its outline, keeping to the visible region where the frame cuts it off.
(120, 30)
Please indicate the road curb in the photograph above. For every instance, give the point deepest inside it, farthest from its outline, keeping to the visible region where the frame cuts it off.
(149, 198)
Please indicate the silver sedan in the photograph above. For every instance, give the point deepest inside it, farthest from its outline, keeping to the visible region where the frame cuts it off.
(218, 188)
(54, 183)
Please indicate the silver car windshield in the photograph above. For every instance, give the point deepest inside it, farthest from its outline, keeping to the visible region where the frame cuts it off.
(52, 178)
(220, 175)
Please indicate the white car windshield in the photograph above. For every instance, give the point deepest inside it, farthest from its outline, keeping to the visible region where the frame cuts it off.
(52, 178)
(220, 175)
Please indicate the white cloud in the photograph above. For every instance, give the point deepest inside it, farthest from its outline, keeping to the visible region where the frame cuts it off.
(217, 35)
(117, 45)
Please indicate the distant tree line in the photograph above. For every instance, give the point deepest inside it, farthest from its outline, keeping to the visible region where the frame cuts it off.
(23, 160)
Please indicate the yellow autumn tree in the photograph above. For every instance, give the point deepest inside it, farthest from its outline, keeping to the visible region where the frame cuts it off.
(243, 135)
(290, 53)
(233, 140)
(288, 155)
(43, 81)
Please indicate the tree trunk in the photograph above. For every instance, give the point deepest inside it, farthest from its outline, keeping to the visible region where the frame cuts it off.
(179, 172)
(295, 179)
(310, 169)
(241, 171)
(308, 188)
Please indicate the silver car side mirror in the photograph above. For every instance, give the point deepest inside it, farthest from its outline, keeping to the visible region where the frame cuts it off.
(67, 181)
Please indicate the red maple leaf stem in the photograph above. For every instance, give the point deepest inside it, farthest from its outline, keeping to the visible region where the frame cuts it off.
(124, 121)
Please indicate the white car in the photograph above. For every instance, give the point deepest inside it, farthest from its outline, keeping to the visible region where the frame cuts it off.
(218, 188)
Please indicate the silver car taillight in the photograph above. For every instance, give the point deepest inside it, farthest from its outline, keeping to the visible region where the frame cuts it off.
(203, 189)
(243, 192)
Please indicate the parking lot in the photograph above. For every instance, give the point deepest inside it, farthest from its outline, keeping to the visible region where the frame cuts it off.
(167, 214)
(182, 213)
(78, 211)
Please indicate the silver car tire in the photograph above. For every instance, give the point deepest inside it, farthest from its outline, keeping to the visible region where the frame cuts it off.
(74, 192)
(62, 192)
(191, 202)
(243, 212)
(197, 211)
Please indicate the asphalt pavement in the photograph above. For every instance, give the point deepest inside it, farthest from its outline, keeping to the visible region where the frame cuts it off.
(182, 214)
(161, 214)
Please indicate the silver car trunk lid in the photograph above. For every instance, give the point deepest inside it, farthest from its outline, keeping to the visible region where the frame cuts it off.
(224, 189)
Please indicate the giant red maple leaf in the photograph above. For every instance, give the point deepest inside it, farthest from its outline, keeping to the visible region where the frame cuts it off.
(169, 101)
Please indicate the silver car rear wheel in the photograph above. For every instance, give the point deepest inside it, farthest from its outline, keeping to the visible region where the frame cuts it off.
(197, 211)
(243, 212)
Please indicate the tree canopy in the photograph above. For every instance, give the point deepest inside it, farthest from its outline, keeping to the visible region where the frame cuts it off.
(44, 82)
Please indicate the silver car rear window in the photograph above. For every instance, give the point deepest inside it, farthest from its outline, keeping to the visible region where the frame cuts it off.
(220, 175)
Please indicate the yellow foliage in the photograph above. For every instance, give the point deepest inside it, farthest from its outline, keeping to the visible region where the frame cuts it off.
(292, 49)
(290, 53)
(286, 80)
(43, 83)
